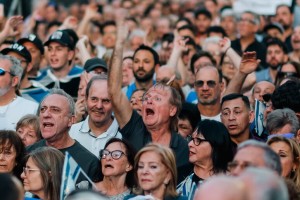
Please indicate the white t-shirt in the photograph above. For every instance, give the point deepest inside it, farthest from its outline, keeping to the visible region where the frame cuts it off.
(10, 114)
(217, 117)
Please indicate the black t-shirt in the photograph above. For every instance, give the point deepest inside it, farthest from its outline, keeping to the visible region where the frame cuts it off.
(137, 134)
(255, 46)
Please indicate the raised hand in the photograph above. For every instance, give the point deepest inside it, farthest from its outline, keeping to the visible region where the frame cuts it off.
(225, 44)
(70, 22)
(249, 62)
(180, 43)
(10, 28)
(122, 28)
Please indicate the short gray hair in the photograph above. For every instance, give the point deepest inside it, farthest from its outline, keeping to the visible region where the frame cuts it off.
(255, 16)
(271, 158)
(62, 93)
(264, 184)
(16, 68)
(281, 117)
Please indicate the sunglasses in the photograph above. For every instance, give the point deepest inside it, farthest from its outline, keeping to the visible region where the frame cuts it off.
(287, 74)
(114, 154)
(210, 84)
(2, 72)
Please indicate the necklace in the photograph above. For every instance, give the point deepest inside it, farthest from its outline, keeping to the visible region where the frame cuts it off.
(4, 109)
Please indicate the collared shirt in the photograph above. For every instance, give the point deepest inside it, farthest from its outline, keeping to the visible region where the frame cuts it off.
(83, 134)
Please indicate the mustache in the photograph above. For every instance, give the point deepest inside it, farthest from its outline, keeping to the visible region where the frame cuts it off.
(140, 69)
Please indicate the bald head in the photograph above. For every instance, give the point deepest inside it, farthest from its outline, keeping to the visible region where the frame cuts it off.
(261, 88)
(164, 73)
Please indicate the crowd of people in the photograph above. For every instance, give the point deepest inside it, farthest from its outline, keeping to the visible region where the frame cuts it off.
(155, 99)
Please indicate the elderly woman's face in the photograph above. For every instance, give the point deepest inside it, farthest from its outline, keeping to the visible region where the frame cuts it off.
(114, 160)
(152, 174)
(8, 156)
(200, 149)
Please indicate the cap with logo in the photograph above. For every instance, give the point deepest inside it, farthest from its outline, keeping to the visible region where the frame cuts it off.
(34, 40)
(19, 49)
(94, 63)
(61, 37)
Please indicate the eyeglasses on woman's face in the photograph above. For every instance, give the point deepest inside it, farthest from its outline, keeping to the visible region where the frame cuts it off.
(197, 141)
(27, 170)
(116, 154)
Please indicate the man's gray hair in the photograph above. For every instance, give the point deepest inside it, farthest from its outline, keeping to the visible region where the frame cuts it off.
(281, 117)
(62, 93)
(16, 68)
(271, 158)
(255, 17)
(263, 184)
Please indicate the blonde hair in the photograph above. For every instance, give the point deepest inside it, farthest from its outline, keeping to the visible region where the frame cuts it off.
(30, 120)
(167, 158)
(294, 175)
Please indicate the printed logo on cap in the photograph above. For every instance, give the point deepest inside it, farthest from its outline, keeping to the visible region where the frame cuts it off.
(17, 47)
(31, 37)
(57, 35)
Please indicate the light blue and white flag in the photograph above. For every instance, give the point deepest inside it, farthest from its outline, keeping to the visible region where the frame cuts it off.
(259, 117)
(70, 174)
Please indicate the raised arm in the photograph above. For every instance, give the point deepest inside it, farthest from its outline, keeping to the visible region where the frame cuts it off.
(121, 106)
(225, 45)
(248, 65)
(10, 26)
(175, 58)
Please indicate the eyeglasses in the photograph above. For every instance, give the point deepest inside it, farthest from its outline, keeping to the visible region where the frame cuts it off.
(197, 141)
(3, 71)
(234, 164)
(27, 170)
(155, 99)
(250, 21)
(116, 154)
(210, 83)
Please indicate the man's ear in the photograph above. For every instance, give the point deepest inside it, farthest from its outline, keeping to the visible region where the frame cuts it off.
(173, 111)
(72, 121)
(15, 81)
(29, 67)
(251, 116)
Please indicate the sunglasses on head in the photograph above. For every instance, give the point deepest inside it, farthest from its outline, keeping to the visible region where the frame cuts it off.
(210, 83)
(2, 72)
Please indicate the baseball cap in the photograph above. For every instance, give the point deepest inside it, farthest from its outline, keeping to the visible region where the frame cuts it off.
(33, 39)
(61, 37)
(94, 63)
(274, 25)
(19, 49)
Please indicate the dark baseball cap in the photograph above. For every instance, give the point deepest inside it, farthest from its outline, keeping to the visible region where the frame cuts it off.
(61, 37)
(19, 49)
(94, 63)
(34, 40)
(272, 26)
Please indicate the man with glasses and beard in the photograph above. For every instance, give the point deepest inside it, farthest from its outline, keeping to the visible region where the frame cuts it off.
(276, 56)
(208, 86)
(145, 63)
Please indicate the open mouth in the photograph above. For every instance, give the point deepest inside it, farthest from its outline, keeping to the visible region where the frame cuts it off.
(108, 166)
(48, 124)
(149, 112)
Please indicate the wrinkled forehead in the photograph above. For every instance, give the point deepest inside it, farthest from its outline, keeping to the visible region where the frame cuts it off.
(159, 89)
